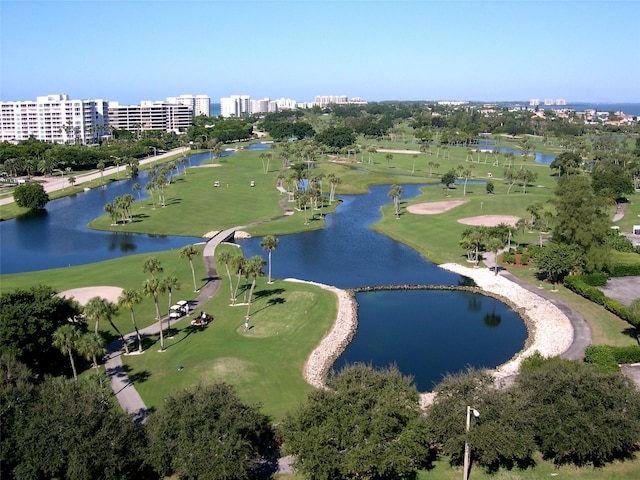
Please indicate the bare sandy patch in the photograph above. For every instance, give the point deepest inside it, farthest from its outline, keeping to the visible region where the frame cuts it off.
(83, 295)
(433, 208)
(208, 165)
(490, 220)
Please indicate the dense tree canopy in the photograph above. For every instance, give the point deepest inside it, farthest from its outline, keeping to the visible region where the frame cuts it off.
(336, 137)
(73, 429)
(367, 425)
(28, 319)
(207, 432)
(580, 220)
(30, 195)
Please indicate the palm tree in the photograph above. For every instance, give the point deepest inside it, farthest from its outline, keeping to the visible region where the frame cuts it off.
(91, 345)
(170, 284)
(128, 298)
(65, 339)
(152, 288)
(188, 252)
(136, 188)
(98, 308)
(388, 157)
(226, 257)
(254, 267)
(466, 173)
(269, 243)
(152, 265)
(395, 193)
(238, 264)
(101, 167)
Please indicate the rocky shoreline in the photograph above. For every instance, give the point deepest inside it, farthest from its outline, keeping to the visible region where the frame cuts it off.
(549, 330)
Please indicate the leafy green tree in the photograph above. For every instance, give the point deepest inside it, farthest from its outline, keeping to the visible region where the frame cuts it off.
(566, 163)
(72, 430)
(208, 432)
(366, 425)
(556, 260)
(269, 243)
(188, 252)
(448, 178)
(30, 195)
(611, 178)
(17, 393)
(336, 137)
(580, 220)
(28, 318)
(582, 416)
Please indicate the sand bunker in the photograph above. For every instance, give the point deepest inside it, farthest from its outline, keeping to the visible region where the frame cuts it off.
(490, 220)
(82, 295)
(433, 208)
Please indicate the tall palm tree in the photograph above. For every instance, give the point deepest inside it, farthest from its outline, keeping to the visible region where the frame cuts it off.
(395, 193)
(98, 308)
(170, 284)
(254, 267)
(225, 257)
(188, 252)
(269, 243)
(152, 265)
(128, 298)
(152, 288)
(91, 345)
(65, 339)
(238, 263)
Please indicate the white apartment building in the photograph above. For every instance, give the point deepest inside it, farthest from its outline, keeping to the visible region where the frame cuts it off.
(54, 119)
(259, 106)
(200, 104)
(324, 100)
(167, 117)
(235, 105)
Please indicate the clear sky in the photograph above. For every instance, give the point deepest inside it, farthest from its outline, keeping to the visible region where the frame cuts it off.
(377, 50)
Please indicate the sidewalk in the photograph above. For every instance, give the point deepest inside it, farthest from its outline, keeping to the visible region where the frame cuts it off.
(52, 184)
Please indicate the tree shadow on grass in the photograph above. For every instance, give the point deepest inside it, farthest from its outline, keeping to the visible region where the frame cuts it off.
(270, 303)
(633, 333)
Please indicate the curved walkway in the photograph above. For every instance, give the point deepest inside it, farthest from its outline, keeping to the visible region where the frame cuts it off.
(126, 394)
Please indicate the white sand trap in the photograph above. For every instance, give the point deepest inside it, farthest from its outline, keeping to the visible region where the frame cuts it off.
(490, 220)
(433, 208)
(208, 165)
(82, 295)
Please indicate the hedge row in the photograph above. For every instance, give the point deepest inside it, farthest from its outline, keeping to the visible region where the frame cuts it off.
(578, 285)
(607, 357)
(625, 270)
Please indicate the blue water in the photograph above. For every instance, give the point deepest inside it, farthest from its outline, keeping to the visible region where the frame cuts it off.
(59, 237)
(425, 333)
(431, 333)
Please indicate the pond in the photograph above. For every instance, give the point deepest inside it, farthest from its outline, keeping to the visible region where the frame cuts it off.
(427, 333)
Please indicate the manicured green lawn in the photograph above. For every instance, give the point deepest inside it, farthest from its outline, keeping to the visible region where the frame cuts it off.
(264, 364)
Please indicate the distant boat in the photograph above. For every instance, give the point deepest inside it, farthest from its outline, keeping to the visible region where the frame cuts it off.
(86, 189)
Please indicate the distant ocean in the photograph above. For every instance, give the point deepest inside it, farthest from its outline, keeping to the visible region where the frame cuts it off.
(628, 108)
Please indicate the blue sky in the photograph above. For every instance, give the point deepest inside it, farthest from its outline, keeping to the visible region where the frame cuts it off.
(377, 50)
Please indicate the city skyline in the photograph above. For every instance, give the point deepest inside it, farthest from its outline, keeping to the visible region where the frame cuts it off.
(131, 51)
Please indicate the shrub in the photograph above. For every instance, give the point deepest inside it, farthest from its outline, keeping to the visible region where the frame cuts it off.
(524, 259)
(577, 285)
(625, 270)
(596, 279)
(509, 258)
(621, 310)
(601, 357)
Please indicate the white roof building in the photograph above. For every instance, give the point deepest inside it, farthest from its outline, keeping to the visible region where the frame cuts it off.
(54, 119)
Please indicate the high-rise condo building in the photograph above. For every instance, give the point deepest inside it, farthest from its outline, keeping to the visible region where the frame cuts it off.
(167, 117)
(235, 105)
(54, 119)
(200, 104)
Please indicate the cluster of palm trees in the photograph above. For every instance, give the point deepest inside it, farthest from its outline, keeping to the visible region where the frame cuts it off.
(72, 338)
(120, 208)
(490, 239)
